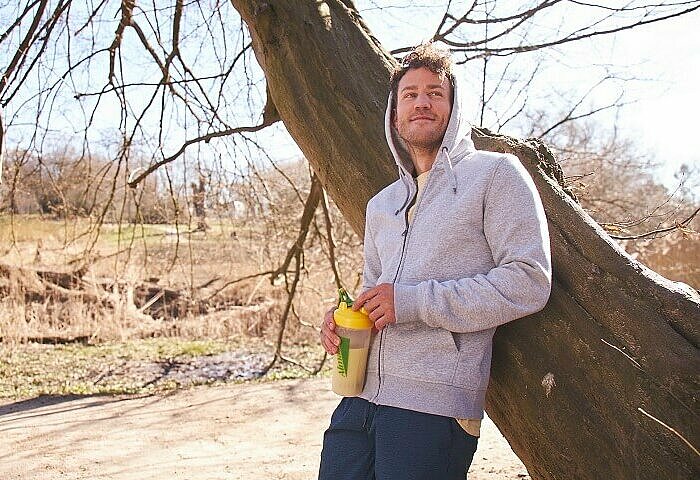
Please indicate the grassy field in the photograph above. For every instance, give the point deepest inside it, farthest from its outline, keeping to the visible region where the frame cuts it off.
(98, 336)
(93, 338)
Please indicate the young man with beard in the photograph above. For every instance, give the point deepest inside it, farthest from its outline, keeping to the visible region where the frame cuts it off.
(453, 249)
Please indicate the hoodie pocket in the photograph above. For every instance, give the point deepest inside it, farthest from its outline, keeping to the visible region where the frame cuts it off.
(474, 360)
(417, 351)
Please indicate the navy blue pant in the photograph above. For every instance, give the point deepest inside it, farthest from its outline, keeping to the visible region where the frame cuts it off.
(375, 442)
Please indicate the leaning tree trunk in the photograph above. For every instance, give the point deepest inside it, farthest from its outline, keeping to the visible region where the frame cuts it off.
(602, 383)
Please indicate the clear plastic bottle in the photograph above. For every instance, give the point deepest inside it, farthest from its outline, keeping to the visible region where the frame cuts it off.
(355, 330)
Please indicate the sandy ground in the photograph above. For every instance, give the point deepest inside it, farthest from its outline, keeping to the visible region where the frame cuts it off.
(246, 431)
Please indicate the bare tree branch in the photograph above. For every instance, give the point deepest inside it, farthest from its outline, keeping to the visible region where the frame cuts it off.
(679, 226)
(510, 50)
(127, 8)
(630, 9)
(296, 253)
(24, 46)
(48, 28)
(18, 20)
(570, 114)
(91, 17)
(204, 138)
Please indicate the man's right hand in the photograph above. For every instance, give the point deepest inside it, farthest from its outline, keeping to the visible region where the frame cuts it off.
(329, 339)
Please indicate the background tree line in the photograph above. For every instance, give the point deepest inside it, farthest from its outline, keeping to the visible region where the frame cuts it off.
(613, 181)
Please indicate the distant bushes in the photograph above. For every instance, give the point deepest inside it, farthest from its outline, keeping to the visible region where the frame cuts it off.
(67, 184)
(612, 181)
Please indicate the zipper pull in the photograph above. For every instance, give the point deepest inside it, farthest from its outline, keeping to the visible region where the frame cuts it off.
(404, 233)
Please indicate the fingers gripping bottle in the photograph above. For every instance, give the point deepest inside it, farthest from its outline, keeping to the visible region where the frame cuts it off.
(355, 330)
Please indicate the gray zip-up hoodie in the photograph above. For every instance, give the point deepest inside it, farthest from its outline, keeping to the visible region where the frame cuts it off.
(475, 256)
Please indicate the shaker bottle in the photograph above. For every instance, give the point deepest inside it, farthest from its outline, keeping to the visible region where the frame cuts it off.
(355, 330)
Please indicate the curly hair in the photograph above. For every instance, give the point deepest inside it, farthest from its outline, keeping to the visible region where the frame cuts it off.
(428, 55)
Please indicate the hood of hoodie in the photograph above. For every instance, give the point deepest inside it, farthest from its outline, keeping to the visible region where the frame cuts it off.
(456, 144)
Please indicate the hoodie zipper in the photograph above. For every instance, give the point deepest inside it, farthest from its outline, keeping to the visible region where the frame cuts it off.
(404, 234)
(407, 206)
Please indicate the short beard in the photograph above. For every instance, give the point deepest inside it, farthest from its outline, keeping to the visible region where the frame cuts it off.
(427, 143)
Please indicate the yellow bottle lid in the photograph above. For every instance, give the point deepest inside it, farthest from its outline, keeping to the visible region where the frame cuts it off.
(349, 318)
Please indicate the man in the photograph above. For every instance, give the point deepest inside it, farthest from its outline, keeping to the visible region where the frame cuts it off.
(456, 247)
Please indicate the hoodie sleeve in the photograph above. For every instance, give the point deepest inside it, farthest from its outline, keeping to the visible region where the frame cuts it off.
(515, 227)
(372, 265)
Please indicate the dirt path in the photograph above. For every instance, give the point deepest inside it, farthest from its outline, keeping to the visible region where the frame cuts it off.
(247, 431)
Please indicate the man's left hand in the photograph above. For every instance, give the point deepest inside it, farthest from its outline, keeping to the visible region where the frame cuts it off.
(379, 302)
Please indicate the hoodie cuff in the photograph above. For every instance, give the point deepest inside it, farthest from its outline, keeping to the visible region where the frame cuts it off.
(406, 303)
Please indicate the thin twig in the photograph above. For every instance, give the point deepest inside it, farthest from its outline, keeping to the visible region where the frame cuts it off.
(294, 362)
(25, 45)
(203, 138)
(238, 280)
(695, 450)
(321, 363)
(509, 50)
(625, 354)
(296, 252)
(283, 322)
(661, 230)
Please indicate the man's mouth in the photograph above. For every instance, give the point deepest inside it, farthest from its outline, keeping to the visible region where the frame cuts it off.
(422, 117)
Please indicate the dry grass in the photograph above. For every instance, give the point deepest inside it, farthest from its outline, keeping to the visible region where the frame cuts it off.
(114, 347)
(124, 349)
(197, 265)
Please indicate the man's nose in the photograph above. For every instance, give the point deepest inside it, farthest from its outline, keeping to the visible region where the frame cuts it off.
(423, 101)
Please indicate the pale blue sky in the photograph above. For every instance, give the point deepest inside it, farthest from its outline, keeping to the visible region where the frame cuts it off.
(664, 57)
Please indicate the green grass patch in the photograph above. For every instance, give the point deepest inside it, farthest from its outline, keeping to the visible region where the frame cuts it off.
(30, 228)
(124, 234)
(133, 367)
(34, 369)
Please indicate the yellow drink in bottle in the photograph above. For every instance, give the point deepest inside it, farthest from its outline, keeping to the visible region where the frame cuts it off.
(355, 330)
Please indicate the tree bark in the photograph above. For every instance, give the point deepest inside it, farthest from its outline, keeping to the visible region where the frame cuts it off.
(601, 384)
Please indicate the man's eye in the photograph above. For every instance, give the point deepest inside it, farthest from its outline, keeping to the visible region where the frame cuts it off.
(436, 94)
(409, 95)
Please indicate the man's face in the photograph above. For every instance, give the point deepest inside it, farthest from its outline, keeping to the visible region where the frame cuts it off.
(423, 106)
